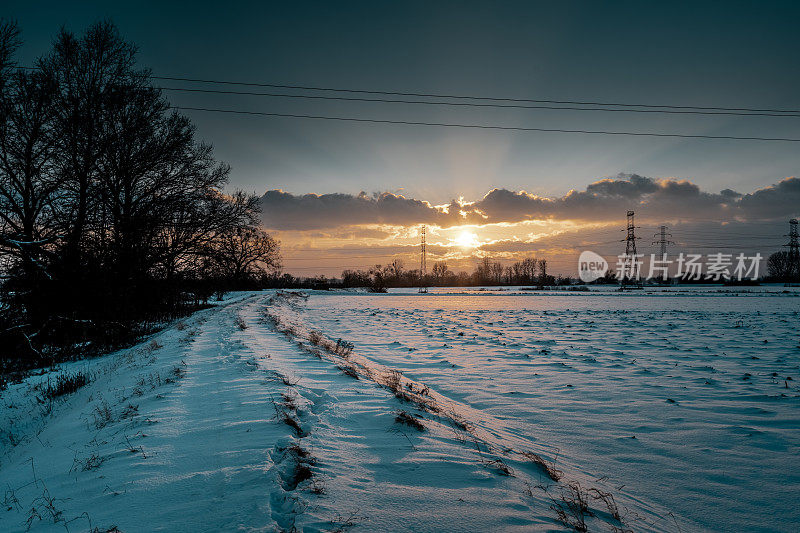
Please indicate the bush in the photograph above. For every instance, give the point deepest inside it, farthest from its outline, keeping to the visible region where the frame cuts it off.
(65, 383)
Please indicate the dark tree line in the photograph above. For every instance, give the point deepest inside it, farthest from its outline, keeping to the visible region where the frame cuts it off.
(112, 214)
(529, 271)
(781, 266)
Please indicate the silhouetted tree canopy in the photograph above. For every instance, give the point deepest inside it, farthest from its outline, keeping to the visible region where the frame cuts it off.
(781, 267)
(111, 211)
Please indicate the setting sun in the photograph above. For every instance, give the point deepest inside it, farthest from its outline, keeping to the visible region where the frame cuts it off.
(467, 239)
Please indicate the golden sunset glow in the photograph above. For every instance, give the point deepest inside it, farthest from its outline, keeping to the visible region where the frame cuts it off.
(362, 246)
(467, 239)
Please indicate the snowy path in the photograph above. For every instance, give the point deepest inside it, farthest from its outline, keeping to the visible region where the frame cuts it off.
(220, 424)
(202, 428)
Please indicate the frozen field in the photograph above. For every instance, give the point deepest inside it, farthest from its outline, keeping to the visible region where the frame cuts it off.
(688, 399)
(682, 405)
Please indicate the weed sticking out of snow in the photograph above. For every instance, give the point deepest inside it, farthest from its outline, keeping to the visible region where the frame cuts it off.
(548, 467)
(343, 348)
(129, 411)
(65, 383)
(460, 424)
(409, 419)
(44, 507)
(103, 415)
(314, 337)
(392, 380)
(300, 463)
(348, 370)
(342, 523)
(572, 508)
(285, 412)
(175, 374)
(497, 464)
(289, 382)
(135, 449)
(608, 499)
(289, 401)
(92, 462)
(293, 423)
(403, 396)
(299, 452)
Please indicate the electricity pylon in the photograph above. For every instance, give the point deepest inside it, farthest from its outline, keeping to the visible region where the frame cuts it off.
(630, 271)
(663, 241)
(794, 252)
(423, 268)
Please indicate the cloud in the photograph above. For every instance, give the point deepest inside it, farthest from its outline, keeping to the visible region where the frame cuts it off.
(632, 187)
(285, 211)
(602, 201)
(776, 201)
(510, 246)
(353, 233)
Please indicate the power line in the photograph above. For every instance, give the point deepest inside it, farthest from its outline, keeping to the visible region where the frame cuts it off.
(466, 97)
(485, 126)
(725, 234)
(478, 104)
(776, 112)
(722, 235)
(727, 246)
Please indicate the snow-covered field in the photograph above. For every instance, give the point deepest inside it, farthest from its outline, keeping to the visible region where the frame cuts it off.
(676, 409)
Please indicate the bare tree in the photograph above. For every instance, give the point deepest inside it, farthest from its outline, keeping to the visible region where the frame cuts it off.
(542, 263)
(779, 266)
(497, 272)
(186, 241)
(28, 188)
(9, 44)
(528, 269)
(355, 278)
(439, 271)
(106, 192)
(483, 272)
(88, 73)
(509, 274)
(379, 278)
(245, 253)
(396, 269)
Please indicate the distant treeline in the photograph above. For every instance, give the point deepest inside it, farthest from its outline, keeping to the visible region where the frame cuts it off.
(112, 214)
(782, 267)
(529, 271)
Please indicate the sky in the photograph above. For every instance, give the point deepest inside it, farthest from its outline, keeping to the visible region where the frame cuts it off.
(348, 195)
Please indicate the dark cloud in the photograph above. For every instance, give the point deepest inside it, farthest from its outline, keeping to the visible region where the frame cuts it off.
(632, 187)
(285, 211)
(776, 201)
(602, 201)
